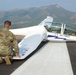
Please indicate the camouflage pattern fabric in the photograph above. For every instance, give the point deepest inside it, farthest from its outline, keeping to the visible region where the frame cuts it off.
(7, 38)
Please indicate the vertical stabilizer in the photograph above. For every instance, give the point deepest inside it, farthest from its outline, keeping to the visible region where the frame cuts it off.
(48, 19)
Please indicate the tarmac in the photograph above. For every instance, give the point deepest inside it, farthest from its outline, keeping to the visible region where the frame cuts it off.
(72, 53)
(71, 45)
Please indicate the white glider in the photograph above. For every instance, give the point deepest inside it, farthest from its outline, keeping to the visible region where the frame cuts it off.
(45, 30)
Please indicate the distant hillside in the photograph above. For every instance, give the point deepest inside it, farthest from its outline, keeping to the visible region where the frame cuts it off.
(33, 16)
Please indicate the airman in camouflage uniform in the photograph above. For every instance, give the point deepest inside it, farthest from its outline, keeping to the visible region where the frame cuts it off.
(7, 38)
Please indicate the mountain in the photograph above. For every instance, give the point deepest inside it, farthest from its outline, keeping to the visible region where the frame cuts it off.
(33, 16)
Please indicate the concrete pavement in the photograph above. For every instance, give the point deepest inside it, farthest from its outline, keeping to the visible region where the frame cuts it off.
(52, 59)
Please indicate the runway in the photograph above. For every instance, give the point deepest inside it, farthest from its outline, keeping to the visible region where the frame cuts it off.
(72, 52)
(7, 70)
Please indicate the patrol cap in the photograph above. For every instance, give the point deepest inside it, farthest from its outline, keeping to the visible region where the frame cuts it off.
(7, 22)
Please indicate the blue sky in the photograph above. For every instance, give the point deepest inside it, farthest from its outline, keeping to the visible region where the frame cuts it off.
(14, 4)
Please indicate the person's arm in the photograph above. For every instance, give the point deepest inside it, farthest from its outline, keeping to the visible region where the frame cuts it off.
(15, 45)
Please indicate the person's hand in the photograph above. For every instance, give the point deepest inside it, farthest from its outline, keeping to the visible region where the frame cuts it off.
(17, 55)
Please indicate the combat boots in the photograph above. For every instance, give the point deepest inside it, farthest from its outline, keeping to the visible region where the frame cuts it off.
(7, 60)
(1, 60)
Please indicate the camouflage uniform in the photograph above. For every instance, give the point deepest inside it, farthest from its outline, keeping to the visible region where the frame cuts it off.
(7, 39)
